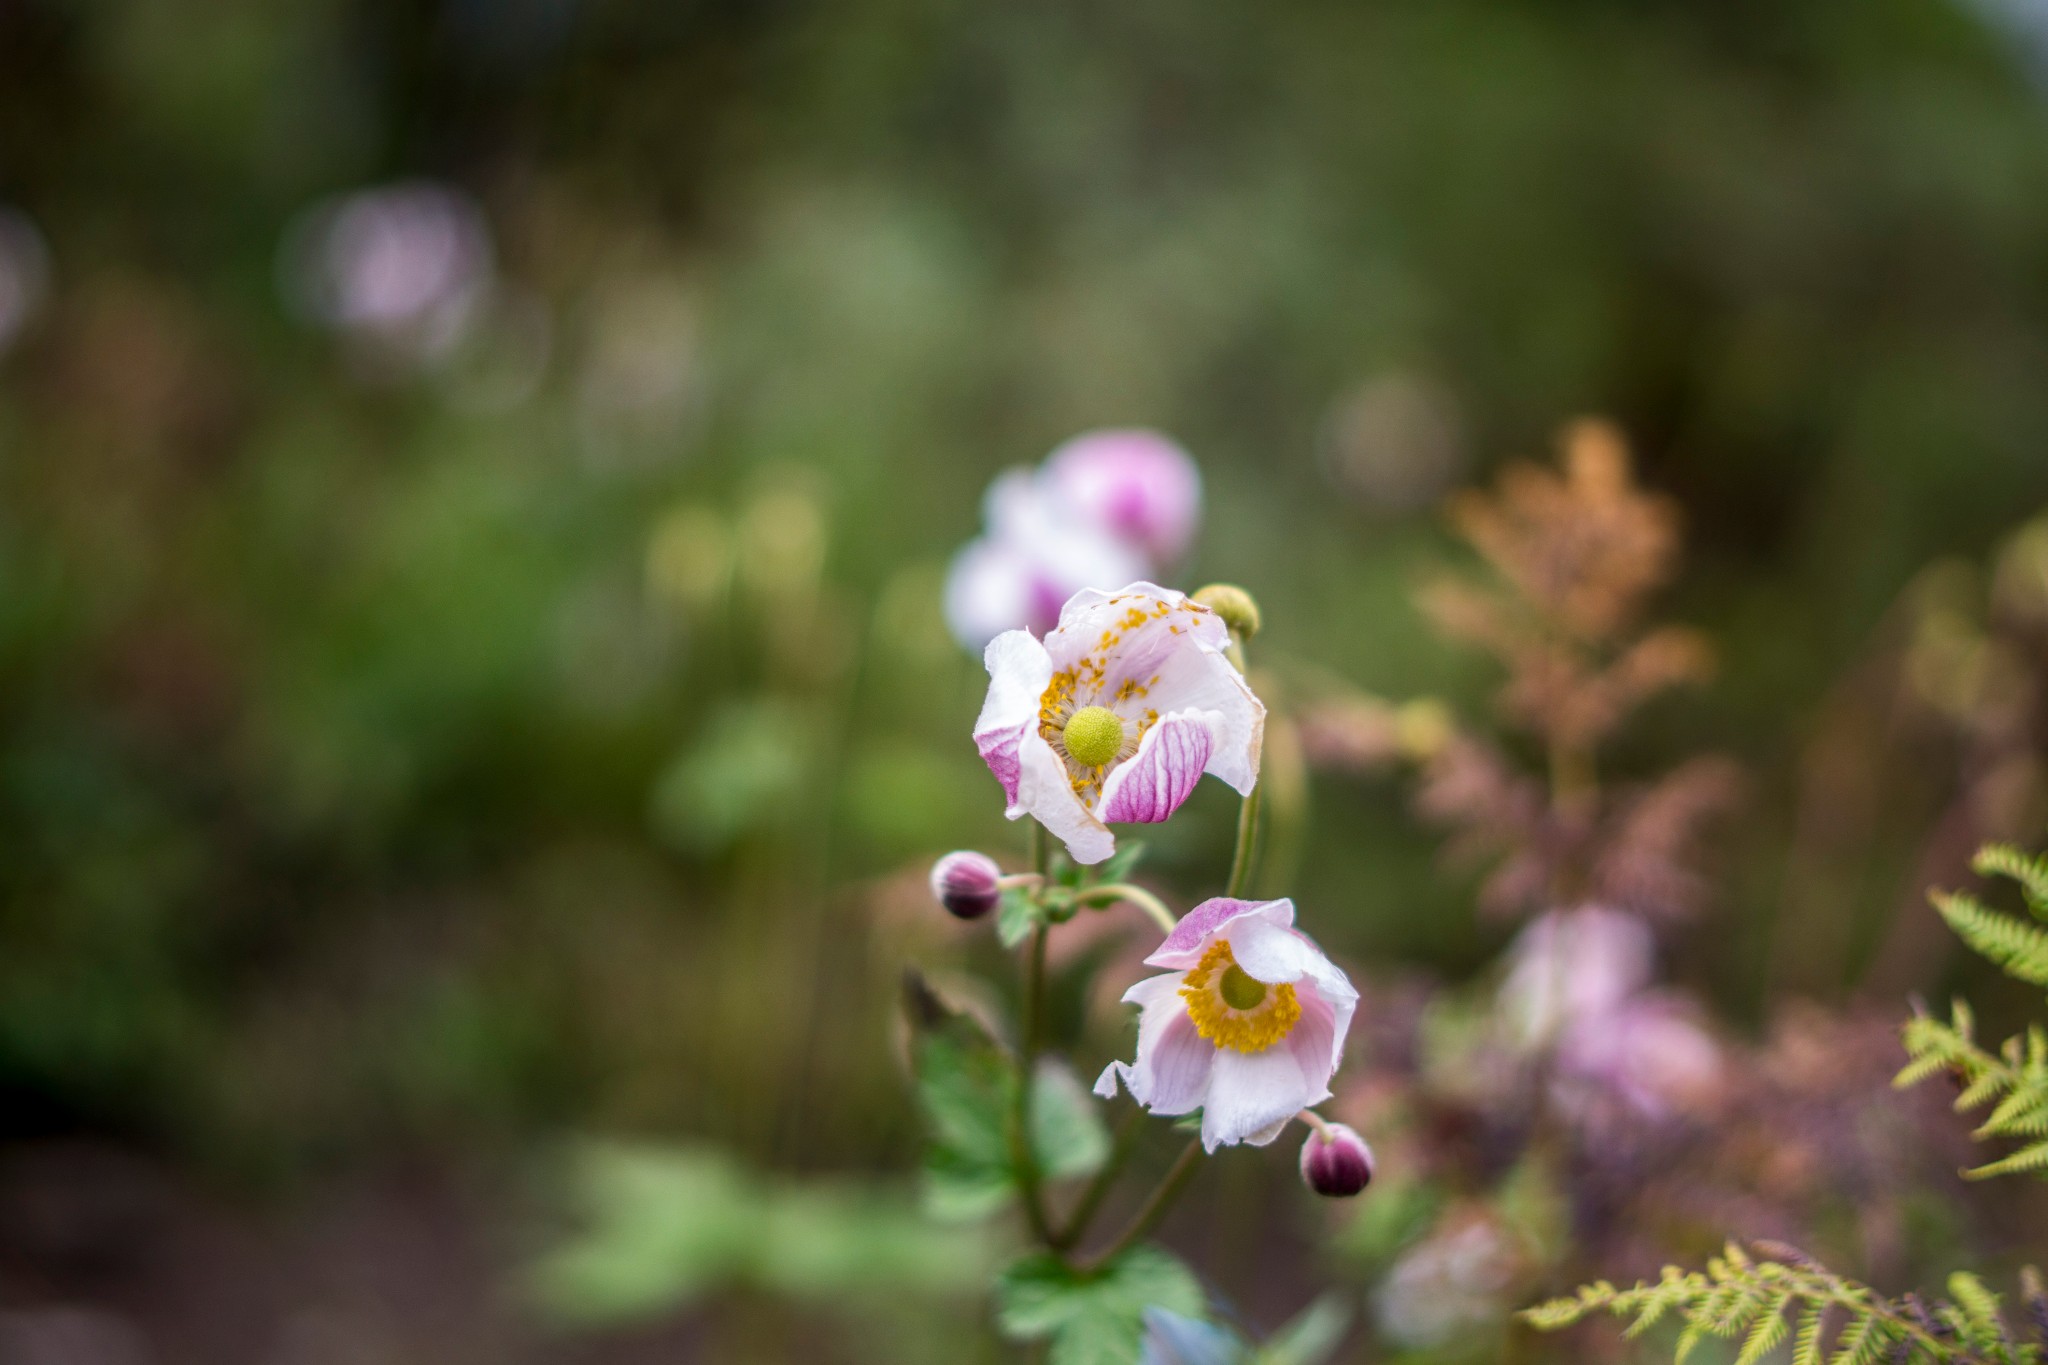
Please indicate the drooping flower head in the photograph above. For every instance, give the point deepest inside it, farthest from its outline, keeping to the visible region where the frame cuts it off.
(1116, 715)
(1247, 1024)
(1136, 483)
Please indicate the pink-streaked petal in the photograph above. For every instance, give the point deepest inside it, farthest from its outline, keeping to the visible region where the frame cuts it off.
(1000, 750)
(1151, 785)
(1159, 1004)
(1252, 1095)
(1019, 670)
(1146, 627)
(1183, 947)
(1180, 1065)
(1202, 679)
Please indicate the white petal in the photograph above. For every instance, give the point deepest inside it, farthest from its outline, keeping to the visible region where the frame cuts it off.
(1159, 1004)
(1152, 783)
(1045, 794)
(1190, 938)
(1019, 670)
(1274, 953)
(1181, 1061)
(1250, 1092)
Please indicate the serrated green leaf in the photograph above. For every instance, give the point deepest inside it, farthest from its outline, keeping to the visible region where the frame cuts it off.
(1095, 1319)
(1017, 915)
(1067, 1131)
(1122, 863)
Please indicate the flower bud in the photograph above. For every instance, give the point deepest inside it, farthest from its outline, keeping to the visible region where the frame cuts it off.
(1335, 1162)
(966, 883)
(1234, 605)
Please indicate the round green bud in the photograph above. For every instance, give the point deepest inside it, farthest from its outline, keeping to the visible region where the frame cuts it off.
(1234, 605)
(1094, 736)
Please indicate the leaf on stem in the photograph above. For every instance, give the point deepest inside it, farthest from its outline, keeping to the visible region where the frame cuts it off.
(1094, 1319)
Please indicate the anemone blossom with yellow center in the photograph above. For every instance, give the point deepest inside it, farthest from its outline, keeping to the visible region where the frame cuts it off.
(1116, 714)
(1247, 1026)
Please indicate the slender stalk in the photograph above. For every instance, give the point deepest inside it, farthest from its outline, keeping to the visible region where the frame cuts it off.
(1022, 1152)
(1247, 837)
(1315, 1121)
(1248, 813)
(1154, 1209)
(1091, 1198)
(1111, 892)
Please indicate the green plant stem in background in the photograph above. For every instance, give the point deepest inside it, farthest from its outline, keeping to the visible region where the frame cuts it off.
(1083, 1214)
(1112, 892)
(1247, 813)
(1154, 1209)
(1029, 1185)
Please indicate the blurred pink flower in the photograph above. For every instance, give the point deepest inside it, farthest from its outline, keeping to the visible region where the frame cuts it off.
(406, 266)
(1572, 965)
(1136, 484)
(1106, 508)
(1116, 715)
(1035, 555)
(1651, 1057)
(1248, 1024)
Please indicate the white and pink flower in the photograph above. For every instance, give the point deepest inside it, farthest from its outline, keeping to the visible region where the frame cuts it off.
(1106, 507)
(1136, 484)
(1247, 1025)
(1116, 714)
(1036, 554)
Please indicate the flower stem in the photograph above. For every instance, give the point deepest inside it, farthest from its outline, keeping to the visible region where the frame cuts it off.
(1154, 1209)
(1248, 813)
(1022, 1151)
(1315, 1121)
(1091, 1198)
(1247, 837)
(1112, 892)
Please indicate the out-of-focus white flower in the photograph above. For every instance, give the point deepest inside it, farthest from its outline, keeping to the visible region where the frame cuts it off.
(1134, 483)
(1571, 965)
(1452, 1283)
(404, 266)
(1247, 1024)
(1116, 715)
(1651, 1056)
(24, 273)
(1035, 555)
(1107, 507)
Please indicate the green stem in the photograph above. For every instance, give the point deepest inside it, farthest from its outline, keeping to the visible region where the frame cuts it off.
(1022, 1151)
(1154, 1209)
(1091, 1198)
(1247, 838)
(1112, 892)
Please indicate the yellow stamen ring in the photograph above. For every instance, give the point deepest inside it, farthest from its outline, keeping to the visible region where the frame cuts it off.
(1094, 735)
(1234, 1009)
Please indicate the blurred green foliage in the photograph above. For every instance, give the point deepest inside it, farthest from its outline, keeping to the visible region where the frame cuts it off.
(455, 758)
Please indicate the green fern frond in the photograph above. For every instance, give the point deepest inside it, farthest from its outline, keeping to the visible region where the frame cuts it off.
(2018, 947)
(1757, 1297)
(2003, 860)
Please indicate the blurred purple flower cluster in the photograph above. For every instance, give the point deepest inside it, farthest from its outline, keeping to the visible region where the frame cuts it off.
(1106, 508)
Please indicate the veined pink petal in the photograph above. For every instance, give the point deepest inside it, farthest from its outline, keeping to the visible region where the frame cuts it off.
(1045, 794)
(1168, 764)
(1184, 946)
(1180, 1064)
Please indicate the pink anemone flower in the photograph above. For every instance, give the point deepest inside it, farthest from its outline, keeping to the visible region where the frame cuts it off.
(1136, 483)
(1116, 715)
(1247, 1025)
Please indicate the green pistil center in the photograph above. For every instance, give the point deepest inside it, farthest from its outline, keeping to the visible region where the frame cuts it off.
(1094, 736)
(1240, 990)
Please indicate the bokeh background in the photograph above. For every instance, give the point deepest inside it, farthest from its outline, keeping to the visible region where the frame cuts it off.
(451, 725)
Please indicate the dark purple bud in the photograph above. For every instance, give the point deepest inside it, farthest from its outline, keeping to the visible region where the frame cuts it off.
(1335, 1161)
(967, 883)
